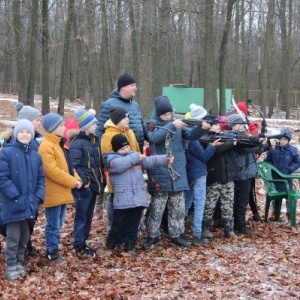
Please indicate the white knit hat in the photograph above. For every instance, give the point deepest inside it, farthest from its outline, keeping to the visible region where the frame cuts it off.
(198, 112)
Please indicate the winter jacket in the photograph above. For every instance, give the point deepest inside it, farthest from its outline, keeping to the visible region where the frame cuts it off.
(197, 158)
(9, 138)
(222, 166)
(22, 182)
(285, 159)
(110, 131)
(136, 122)
(160, 134)
(58, 170)
(85, 153)
(245, 156)
(126, 175)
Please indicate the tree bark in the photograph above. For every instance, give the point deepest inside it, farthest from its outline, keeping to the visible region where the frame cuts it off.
(223, 58)
(45, 58)
(64, 67)
(20, 54)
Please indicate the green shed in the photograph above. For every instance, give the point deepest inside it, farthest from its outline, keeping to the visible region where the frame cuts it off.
(182, 97)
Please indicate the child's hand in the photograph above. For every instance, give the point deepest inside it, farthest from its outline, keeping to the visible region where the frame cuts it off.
(170, 160)
(142, 156)
(78, 184)
(179, 124)
(217, 143)
(205, 125)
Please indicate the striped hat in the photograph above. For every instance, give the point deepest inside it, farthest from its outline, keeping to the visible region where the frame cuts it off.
(85, 119)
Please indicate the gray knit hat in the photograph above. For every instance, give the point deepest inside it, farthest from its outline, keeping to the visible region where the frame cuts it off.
(26, 111)
(197, 112)
(234, 119)
(51, 121)
(23, 124)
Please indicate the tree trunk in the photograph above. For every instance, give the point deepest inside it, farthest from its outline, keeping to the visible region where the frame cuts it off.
(32, 64)
(45, 59)
(145, 78)
(20, 56)
(64, 67)
(223, 59)
(265, 79)
(210, 96)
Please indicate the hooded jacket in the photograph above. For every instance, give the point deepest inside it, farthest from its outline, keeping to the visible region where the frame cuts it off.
(59, 172)
(85, 153)
(110, 131)
(161, 133)
(22, 182)
(136, 122)
(126, 175)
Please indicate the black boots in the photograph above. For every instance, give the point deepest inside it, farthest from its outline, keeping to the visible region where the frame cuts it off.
(150, 241)
(228, 228)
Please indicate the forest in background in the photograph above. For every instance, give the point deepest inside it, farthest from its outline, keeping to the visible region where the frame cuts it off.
(70, 49)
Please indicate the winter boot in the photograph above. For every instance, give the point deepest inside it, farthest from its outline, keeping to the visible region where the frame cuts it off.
(228, 228)
(205, 229)
(129, 247)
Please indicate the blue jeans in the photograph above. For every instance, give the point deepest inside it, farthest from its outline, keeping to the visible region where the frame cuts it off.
(85, 205)
(197, 195)
(55, 219)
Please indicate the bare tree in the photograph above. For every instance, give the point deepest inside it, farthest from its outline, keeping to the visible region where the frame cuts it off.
(223, 57)
(210, 97)
(20, 53)
(45, 58)
(64, 66)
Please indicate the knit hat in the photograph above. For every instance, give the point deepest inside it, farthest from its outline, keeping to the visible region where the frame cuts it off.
(26, 111)
(51, 121)
(223, 123)
(286, 134)
(117, 113)
(197, 111)
(243, 107)
(234, 119)
(162, 105)
(85, 119)
(23, 124)
(211, 119)
(118, 141)
(124, 80)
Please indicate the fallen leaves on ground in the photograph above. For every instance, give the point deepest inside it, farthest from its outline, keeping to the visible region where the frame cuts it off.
(265, 266)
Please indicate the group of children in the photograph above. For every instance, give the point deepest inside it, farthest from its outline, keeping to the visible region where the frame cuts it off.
(186, 165)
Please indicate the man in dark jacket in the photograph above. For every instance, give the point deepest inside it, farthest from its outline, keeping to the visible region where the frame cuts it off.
(123, 96)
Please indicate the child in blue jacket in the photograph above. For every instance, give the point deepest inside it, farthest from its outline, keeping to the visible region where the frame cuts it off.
(22, 190)
(286, 159)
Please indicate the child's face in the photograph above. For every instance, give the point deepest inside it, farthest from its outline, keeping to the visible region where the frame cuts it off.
(167, 116)
(91, 129)
(37, 123)
(124, 150)
(59, 131)
(24, 136)
(283, 141)
(124, 123)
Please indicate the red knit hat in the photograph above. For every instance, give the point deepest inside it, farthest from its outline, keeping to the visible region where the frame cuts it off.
(243, 107)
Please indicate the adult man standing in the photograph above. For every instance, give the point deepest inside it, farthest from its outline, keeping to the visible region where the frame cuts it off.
(123, 96)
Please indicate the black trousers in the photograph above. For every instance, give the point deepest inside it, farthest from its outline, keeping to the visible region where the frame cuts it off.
(241, 200)
(130, 218)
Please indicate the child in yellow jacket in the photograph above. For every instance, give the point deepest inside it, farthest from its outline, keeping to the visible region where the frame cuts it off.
(60, 178)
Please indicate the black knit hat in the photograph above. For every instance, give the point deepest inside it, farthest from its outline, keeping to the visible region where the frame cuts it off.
(124, 80)
(211, 119)
(162, 105)
(117, 113)
(119, 141)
